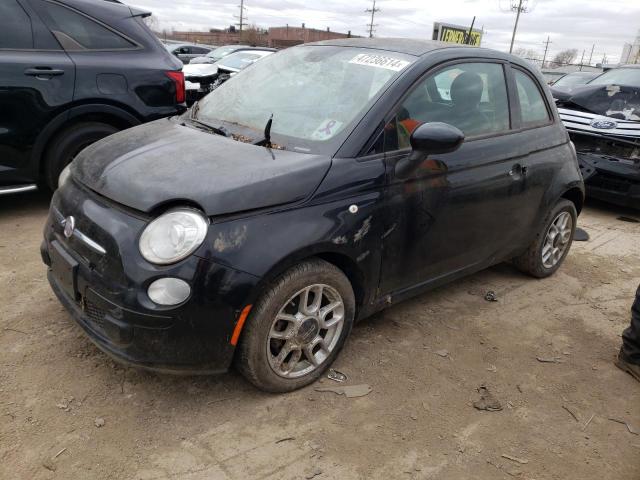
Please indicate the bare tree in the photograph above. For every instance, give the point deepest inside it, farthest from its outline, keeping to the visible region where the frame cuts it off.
(151, 22)
(250, 35)
(529, 54)
(565, 57)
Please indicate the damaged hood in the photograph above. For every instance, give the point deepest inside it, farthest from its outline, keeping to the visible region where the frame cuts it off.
(165, 162)
(620, 102)
(199, 70)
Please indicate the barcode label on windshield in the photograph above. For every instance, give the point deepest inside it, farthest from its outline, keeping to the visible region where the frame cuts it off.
(379, 61)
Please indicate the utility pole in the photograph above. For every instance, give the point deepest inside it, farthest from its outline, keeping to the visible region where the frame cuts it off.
(581, 59)
(242, 17)
(371, 25)
(468, 40)
(546, 49)
(519, 9)
(590, 56)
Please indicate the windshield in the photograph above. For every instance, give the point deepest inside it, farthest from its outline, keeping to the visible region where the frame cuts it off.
(619, 76)
(240, 60)
(220, 52)
(574, 79)
(315, 93)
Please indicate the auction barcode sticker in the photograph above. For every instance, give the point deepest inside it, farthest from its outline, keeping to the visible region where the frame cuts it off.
(379, 61)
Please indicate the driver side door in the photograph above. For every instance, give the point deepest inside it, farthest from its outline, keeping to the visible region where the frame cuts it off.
(458, 212)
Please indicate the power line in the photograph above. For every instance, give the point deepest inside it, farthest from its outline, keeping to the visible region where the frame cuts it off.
(519, 8)
(371, 25)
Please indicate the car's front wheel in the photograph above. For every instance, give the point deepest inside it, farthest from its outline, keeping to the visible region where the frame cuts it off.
(297, 327)
(552, 243)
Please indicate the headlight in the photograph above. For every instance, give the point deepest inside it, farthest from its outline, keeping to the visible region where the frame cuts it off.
(64, 175)
(173, 236)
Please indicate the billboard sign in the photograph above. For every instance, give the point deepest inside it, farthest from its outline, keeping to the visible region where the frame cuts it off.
(446, 32)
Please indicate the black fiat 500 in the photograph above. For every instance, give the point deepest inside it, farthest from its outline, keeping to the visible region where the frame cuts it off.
(314, 189)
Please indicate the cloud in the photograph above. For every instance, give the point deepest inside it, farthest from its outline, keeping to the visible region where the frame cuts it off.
(575, 24)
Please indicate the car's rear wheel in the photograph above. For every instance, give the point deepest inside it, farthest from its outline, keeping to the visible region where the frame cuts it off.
(552, 243)
(67, 144)
(297, 327)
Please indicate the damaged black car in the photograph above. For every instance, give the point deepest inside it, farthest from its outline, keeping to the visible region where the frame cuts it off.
(603, 120)
(312, 190)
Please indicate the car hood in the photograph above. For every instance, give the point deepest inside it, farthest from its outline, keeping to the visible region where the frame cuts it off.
(199, 70)
(616, 101)
(166, 162)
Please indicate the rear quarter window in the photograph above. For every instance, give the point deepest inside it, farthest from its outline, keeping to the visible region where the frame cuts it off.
(533, 108)
(75, 31)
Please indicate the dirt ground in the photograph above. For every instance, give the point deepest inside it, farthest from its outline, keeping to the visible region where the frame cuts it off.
(418, 422)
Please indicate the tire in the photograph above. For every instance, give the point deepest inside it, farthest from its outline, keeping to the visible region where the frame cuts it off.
(258, 352)
(532, 261)
(67, 144)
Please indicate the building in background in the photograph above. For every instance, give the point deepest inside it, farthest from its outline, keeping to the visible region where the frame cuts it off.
(631, 51)
(275, 37)
(446, 32)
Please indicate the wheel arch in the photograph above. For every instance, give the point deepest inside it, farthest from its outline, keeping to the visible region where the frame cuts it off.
(103, 113)
(339, 259)
(576, 196)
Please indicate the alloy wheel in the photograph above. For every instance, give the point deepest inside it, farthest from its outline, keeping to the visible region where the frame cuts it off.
(305, 331)
(557, 239)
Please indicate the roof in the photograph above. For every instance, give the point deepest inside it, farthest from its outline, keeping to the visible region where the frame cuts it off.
(401, 45)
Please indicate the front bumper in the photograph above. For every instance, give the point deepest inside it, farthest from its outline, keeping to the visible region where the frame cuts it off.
(610, 180)
(106, 294)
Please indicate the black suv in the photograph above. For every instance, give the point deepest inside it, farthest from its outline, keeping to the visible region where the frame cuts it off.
(71, 73)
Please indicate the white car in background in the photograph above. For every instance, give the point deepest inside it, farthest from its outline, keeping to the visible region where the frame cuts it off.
(202, 78)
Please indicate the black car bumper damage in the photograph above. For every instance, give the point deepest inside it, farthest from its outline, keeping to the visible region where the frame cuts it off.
(109, 301)
(610, 167)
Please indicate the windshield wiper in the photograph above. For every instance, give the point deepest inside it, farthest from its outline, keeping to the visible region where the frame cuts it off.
(211, 128)
(266, 141)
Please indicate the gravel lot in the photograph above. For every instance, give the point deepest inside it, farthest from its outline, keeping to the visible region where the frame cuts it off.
(69, 412)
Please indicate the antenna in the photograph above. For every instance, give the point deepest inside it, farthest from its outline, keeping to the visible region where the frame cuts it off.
(371, 25)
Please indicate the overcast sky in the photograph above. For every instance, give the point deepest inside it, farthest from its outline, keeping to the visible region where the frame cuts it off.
(570, 23)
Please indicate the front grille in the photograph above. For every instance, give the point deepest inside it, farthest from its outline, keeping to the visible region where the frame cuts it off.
(606, 146)
(95, 314)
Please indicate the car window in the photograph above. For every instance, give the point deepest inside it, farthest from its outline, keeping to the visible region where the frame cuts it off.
(199, 50)
(240, 60)
(470, 96)
(15, 25)
(77, 32)
(532, 106)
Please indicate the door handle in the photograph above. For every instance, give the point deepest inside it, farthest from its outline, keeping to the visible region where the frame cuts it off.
(43, 72)
(517, 170)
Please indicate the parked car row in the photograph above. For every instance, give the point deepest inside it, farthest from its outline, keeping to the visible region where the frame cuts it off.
(203, 78)
(75, 71)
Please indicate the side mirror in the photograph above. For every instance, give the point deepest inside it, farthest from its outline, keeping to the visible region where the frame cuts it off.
(429, 138)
